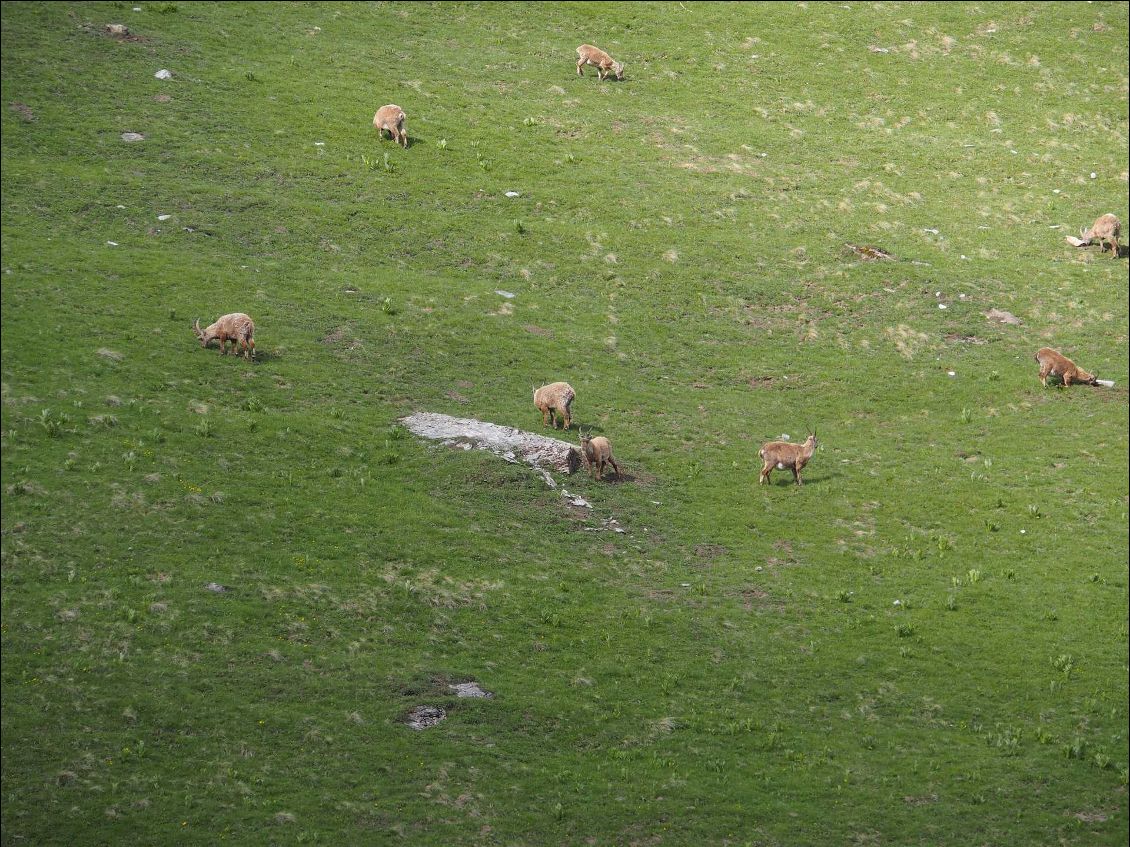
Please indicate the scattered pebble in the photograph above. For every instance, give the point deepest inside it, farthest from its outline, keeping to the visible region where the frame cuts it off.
(1094, 175)
(684, 585)
(507, 294)
(966, 258)
(216, 587)
(119, 206)
(132, 136)
(784, 436)
(117, 29)
(897, 603)
(1055, 226)
(319, 144)
(163, 74)
(513, 194)
(111, 244)
(960, 296)
(424, 716)
(469, 689)
(163, 217)
(137, 8)
(759, 569)
(951, 373)
(1055, 191)
(931, 231)
(1023, 532)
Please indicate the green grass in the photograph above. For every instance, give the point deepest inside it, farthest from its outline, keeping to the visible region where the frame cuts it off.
(924, 644)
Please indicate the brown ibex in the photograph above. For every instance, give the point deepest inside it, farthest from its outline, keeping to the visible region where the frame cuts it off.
(390, 118)
(782, 455)
(605, 64)
(1105, 230)
(597, 455)
(1054, 363)
(237, 328)
(553, 400)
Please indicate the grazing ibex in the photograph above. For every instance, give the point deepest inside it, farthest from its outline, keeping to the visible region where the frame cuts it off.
(1053, 363)
(1105, 230)
(597, 455)
(605, 64)
(391, 118)
(782, 455)
(237, 328)
(553, 400)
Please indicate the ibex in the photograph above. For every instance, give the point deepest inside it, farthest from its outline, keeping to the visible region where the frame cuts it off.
(391, 118)
(237, 328)
(597, 455)
(553, 400)
(605, 64)
(782, 455)
(1053, 363)
(1105, 230)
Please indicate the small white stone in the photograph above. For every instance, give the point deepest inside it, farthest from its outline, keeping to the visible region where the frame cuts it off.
(897, 603)
(163, 217)
(319, 144)
(942, 306)
(119, 206)
(513, 194)
(111, 244)
(966, 257)
(952, 373)
(1094, 175)
(163, 74)
(1023, 532)
(684, 584)
(507, 294)
(132, 136)
(758, 569)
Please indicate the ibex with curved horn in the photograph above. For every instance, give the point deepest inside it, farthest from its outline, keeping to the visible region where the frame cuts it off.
(782, 455)
(237, 328)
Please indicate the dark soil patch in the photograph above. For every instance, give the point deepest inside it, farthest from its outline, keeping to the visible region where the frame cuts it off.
(537, 330)
(964, 339)
(761, 382)
(335, 336)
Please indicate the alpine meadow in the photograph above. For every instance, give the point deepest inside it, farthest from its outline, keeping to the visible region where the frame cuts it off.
(247, 600)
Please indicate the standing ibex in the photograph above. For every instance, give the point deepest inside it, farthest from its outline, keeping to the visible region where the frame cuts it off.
(597, 455)
(605, 64)
(237, 328)
(782, 455)
(391, 118)
(1053, 363)
(553, 400)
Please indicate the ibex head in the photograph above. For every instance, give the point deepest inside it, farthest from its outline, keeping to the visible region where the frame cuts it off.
(619, 70)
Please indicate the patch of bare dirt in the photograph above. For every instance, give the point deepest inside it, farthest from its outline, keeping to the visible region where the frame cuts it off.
(23, 110)
(336, 336)
(710, 551)
(1003, 317)
(964, 339)
(537, 330)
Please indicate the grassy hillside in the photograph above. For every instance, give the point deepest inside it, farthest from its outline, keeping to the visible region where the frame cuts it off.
(924, 644)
